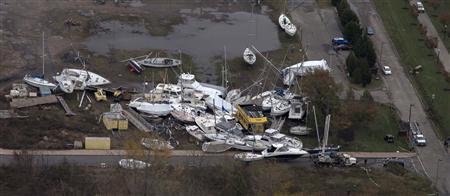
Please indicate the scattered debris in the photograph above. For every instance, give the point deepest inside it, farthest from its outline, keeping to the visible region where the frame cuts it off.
(27, 102)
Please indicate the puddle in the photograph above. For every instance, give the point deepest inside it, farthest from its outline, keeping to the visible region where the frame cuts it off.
(202, 38)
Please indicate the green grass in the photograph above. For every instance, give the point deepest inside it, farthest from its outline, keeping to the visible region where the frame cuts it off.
(403, 30)
(368, 137)
(433, 13)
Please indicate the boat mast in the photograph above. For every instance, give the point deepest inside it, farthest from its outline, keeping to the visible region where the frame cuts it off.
(43, 55)
(317, 128)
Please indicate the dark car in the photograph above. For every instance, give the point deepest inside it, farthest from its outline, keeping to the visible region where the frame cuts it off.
(447, 142)
(340, 41)
(394, 161)
(389, 138)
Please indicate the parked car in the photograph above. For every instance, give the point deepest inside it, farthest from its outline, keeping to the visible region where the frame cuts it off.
(393, 161)
(342, 47)
(420, 140)
(389, 138)
(447, 142)
(420, 7)
(370, 31)
(340, 41)
(386, 70)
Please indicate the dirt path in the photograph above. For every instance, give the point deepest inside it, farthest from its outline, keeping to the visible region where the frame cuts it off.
(402, 94)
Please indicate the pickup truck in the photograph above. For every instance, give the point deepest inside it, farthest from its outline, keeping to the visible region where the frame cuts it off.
(420, 140)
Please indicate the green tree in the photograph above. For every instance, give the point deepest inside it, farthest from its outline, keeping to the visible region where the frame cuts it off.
(363, 48)
(348, 16)
(342, 6)
(335, 2)
(352, 31)
(351, 62)
(366, 76)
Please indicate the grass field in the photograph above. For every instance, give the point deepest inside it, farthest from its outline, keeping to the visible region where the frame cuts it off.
(232, 178)
(366, 137)
(433, 13)
(404, 32)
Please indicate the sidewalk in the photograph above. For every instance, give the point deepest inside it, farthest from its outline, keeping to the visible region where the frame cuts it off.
(175, 153)
(441, 50)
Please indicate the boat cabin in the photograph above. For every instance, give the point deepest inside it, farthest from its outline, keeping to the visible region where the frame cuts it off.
(251, 117)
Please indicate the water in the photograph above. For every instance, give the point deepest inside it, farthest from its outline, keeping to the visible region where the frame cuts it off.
(203, 38)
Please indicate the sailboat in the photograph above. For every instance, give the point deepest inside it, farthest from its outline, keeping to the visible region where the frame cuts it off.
(286, 24)
(39, 81)
(78, 79)
(153, 108)
(249, 56)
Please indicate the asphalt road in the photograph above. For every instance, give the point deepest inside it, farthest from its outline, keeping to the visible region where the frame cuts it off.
(198, 161)
(436, 161)
(316, 29)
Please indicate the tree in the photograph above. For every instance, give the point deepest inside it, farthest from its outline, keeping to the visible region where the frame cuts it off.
(351, 62)
(363, 48)
(352, 31)
(444, 18)
(335, 2)
(342, 6)
(323, 94)
(348, 16)
(366, 76)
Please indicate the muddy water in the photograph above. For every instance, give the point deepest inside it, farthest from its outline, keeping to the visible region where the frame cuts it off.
(202, 37)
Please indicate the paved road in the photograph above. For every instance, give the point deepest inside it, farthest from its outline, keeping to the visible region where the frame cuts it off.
(436, 162)
(317, 28)
(441, 50)
(185, 158)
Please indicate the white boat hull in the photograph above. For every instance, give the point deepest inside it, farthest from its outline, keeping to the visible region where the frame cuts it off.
(249, 56)
(160, 62)
(38, 82)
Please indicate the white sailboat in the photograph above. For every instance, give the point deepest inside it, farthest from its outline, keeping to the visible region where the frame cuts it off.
(280, 108)
(152, 108)
(39, 81)
(286, 24)
(78, 79)
(206, 124)
(249, 56)
(270, 101)
(187, 81)
(196, 132)
(184, 113)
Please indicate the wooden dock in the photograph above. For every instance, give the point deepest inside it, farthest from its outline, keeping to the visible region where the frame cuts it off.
(137, 120)
(65, 106)
(28, 102)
